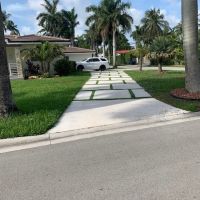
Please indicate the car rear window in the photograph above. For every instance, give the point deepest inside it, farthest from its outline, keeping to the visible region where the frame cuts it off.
(95, 60)
(90, 60)
(103, 59)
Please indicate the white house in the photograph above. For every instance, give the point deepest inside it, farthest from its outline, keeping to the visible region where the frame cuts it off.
(15, 44)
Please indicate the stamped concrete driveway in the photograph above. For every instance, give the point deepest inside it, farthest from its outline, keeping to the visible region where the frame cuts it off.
(111, 97)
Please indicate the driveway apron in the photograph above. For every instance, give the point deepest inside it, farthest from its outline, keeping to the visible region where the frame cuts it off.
(111, 97)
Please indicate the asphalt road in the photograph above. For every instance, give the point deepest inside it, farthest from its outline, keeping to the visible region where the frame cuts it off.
(160, 163)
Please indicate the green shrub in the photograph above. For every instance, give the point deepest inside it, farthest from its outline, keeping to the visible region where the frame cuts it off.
(166, 61)
(64, 67)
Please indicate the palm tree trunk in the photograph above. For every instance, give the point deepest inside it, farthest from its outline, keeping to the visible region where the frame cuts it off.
(6, 102)
(160, 67)
(109, 54)
(42, 66)
(114, 48)
(72, 41)
(103, 47)
(48, 67)
(141, 63)
(190, 31)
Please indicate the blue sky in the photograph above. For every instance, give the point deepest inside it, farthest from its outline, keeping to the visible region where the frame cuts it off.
(24, 12)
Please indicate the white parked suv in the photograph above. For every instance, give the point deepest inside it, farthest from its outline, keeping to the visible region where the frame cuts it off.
(95, 63)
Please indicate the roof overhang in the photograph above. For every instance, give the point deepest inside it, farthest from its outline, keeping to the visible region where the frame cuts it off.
(122, 51)
(79, 52)
(35, 43)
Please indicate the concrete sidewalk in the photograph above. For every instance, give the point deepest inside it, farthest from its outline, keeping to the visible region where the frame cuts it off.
(110, 97)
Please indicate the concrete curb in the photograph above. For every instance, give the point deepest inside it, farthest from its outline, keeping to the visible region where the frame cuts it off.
(14, 144)
(126, 126)
(23, 140)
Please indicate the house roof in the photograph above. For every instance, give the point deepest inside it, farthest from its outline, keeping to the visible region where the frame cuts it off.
(12, 39)
(77, 50)
(122, 51)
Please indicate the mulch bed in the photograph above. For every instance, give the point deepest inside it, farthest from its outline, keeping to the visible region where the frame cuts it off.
(182, 93)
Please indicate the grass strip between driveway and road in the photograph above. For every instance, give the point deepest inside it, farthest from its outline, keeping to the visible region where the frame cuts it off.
(160, 86)
(40, 102)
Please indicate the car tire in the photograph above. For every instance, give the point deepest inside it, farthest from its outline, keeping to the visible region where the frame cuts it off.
(102, 68)
(80, 68)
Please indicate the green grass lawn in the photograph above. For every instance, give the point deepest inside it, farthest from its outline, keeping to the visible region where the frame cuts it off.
(40, 104)
(160, 85)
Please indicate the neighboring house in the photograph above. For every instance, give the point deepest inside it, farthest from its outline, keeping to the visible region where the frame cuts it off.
(15, 44)
(78, 54)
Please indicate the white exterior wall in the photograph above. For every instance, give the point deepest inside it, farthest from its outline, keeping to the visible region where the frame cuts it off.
(13, 56)
(79, 56)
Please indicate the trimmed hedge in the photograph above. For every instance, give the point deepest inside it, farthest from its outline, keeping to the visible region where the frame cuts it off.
(64, 67)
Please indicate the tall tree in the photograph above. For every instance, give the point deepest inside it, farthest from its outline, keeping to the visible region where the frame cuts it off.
(9, 25)
(49, 19)
(114, 13)
(95, 21)
(154, 24)
(138, 35)
(83, 41)
(94, 37)
(176, 36)
(111, 15)
(71, 20)
(122, 42)
(6, 102)
(190, 41)
(141, 46)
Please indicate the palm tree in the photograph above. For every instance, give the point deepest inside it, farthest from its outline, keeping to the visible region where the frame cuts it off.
(154, 24)
(95, 21)
(94, 38)
(45, 53)
(114, 13)
(9, 25)
(49, 20)
(110, 15)
(138, 34)
(140, 52)
(141, 47)
(70, 18)
(190, 40)
(160, 49)
(6, 102)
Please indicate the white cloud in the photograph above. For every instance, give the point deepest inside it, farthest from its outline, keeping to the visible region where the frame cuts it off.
(26, 30)
(16, 7)
(137, 15)
(35, 5)
(173, 2)
(29, 5)
(172, 19)
(80, 7)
